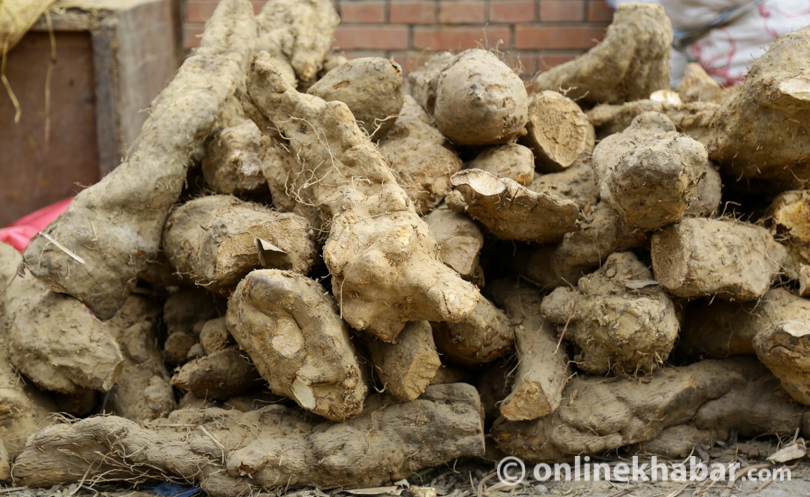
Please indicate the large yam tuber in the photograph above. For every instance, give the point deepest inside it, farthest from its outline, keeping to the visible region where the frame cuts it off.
(53, 339)
(423, 82)
(234, 453)
(604, 414)
(649, 172)
(143, 391)
(232, 162)
(406, 368)
(219, 375)
(476, 87)
(733, 260)
(511, 211)
(459, 240)
(372, 89)
(697, 86)
(421, 156)
(630, 63)
(557, 131)
(383, 261)
(292, 331)
(620, 320)
(483, 336)
(542, 369)
(760, 131)
(512, 161)
(215, 241)
(113, 229)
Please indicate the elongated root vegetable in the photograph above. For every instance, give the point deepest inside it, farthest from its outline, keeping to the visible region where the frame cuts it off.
(407, 367)
(232, 162)
(233, 453)
(618, 317)
(460, 241)
(757, 131)
(370, 86)
(220, 375)
(512, 161)
(113, 229)
(697, 86)
(217, 240)
(383, 261)
(649, 172)
(697, 257)
(558, 132)
(421, 156)
(476, 87)
(290, 328)
(483, 336)
(542, 369)
(143, 391)
(52, 338)
(511, 211)
(604, 414)
(630, 63)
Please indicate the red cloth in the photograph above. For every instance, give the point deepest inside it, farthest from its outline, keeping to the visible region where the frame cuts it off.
(19, 233)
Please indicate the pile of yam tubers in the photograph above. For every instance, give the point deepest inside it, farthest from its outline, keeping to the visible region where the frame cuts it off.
(313, 271)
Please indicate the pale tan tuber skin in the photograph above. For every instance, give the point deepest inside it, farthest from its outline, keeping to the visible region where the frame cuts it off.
(577, 183)
(460, 241)
(629, 64)
(423, 82)
(236, 453)
(372, 89)
(606, 414)
(649, 172)
(789, 216)
(699, 257)
(232, 162)
(542, 369)
(5, 465)
(697, 86)
(483, 336)
(421, 156)
(622, 322)
(220, 375)
(53, 339)
(511, 211)
(115, 226)
(215, 337)
(215, 241)
(783, 348)
(760, 129)
(292, 331)
(406, 368)
(479, 100)
(143, 391)
(512, 161)
(383, 261)
(557, 131)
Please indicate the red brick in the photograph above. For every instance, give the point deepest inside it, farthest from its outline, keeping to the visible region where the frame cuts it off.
(257, 6)
(362, 12)
(356, 54)
(599, 11)
(462, 12)
(410, 61)
(522, 65)
(546, 62)
(388, 37)
(557, 37)
(459, 38)
(412, 12)
(191, 35)
(199, 11)
(509, 11)
(562, 10)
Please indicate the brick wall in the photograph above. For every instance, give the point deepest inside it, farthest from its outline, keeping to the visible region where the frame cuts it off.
(533, 35)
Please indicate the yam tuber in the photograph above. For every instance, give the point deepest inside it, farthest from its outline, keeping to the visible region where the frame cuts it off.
(483, 336)
(459, 240)
(218, 376)
(232, 162)
(512, 161)
(406, 368)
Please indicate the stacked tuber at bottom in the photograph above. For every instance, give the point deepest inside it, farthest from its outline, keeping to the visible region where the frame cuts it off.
(319, 272)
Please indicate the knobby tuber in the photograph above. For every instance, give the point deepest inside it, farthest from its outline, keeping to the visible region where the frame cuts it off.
(230, 453)
(292, 331)
(423, 82)
(112, 229)
(511, 211)
(649, 172)
(214, 336)
(542, 369)
(629, 64)
(421, 156)
(557, 131)
(406, 368)
(232, 162)
(215, 241)
(512, 161)
(219, 376)
(621, 321)
(460, 241)
(382, 258)
(372, 89)
(483, 336)
(733, 260)
(697, 86)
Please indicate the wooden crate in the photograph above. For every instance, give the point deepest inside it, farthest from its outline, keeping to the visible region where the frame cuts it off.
(112, 58)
